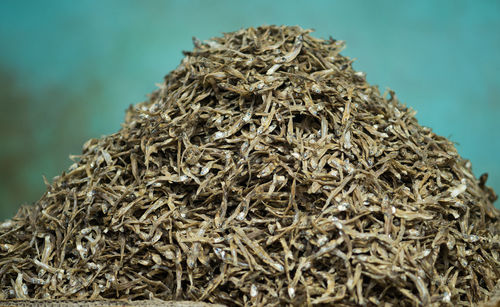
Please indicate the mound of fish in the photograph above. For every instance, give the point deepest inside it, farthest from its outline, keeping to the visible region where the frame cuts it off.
(264, 171)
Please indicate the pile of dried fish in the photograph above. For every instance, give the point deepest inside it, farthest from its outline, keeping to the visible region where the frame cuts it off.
(263, 171)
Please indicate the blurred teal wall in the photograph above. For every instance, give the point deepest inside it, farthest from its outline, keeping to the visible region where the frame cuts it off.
(69, 69)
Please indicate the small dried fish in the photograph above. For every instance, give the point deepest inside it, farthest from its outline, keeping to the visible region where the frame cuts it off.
(263, 171)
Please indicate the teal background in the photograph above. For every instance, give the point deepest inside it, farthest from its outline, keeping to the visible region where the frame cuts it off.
(69, 69)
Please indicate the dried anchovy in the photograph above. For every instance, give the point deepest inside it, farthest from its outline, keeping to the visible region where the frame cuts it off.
(263, 171)
(102, 303)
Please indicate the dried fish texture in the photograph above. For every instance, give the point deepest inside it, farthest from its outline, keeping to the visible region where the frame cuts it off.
(103, 303)
(263, 171)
